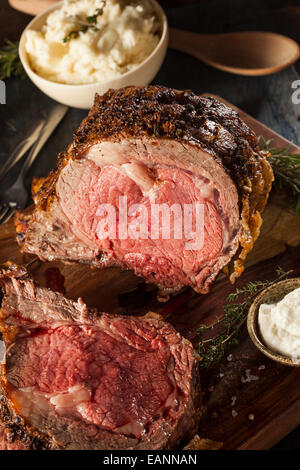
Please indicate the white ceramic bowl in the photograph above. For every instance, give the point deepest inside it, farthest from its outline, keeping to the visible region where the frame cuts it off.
(82, 96)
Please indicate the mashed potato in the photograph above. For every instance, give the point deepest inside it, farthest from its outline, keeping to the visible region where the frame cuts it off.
(128, 31)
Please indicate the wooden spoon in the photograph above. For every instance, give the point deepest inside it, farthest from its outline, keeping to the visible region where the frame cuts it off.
(31, 7)
(243, 53)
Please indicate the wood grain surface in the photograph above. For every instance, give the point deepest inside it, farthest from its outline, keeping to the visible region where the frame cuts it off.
(242, 415)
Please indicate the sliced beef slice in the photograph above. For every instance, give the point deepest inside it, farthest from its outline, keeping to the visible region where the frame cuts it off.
(79, 379)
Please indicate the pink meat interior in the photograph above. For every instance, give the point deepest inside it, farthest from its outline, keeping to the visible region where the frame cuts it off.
(118, 381)
(83, 187)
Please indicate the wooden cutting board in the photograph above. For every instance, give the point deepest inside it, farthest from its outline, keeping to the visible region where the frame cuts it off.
(241, 414)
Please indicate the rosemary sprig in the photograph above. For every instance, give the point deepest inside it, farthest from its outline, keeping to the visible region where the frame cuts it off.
(214, 339)
(10, 64)
(84, 26)
(286, 167)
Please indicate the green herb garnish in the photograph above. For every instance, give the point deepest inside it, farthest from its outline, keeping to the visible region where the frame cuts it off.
(214, 339)
(10, 64)
(83, 27)
(286, 167)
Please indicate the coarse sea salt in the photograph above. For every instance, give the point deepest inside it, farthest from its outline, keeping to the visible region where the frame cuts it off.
(248, 377)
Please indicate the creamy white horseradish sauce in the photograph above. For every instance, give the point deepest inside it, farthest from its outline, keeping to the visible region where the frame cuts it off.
(124, 35)
(279, 325)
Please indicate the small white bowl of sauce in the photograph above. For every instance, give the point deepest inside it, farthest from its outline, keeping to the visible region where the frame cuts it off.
(277, 335)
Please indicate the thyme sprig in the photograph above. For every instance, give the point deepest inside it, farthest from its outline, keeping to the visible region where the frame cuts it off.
(286, 167)
(215, 339)
(10, 64)
(84, 26)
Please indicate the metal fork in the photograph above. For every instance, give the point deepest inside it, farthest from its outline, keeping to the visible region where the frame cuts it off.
(16, 196)
(22, 148)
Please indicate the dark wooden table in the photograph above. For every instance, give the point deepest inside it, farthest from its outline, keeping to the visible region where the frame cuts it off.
(266, 98)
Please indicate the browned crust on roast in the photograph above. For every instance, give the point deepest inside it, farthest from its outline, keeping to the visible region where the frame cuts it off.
(163, 113)
(22, 222)
(17, 429)
(181, 115)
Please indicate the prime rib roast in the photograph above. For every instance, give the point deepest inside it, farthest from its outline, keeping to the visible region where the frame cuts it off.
(74, 378)
(153, 145)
